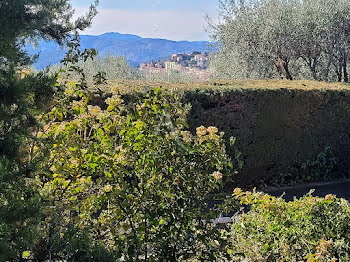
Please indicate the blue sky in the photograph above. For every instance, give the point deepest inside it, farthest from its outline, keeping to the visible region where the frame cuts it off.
(170, 19)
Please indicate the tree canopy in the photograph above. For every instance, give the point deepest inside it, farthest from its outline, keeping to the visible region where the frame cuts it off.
(22, 98)
(303, 39)
(25, 20)
(21, 22)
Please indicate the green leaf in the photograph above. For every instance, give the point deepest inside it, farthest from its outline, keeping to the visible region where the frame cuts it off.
(232, 141)
(140, 137)
(139, 124)
(26, 254)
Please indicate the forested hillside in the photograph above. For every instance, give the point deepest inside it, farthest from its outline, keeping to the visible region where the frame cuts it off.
(134, 48)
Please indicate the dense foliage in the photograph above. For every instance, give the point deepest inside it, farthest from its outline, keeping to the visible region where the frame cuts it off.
(127, 181)
(116, 68)
(301, 39)
(306, 229)
(283, 128)
(24, 20)
(22, 97)
(171, 76)
(132, 178)
(112, 67)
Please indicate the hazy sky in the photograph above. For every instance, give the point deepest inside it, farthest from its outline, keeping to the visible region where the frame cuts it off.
(170, 19)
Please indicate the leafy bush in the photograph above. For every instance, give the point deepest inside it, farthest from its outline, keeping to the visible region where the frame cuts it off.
(113, 68)
(20, 211)
(24, 95)
(133, 178)
(321, 168)
(129, 178)
(306, 229)
(170, 76)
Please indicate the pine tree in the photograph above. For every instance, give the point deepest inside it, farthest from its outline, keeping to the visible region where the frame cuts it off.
(21, 98)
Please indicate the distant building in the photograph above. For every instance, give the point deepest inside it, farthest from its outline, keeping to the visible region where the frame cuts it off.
(158, 65)
(174, 57)
(179, 62)
(170, 65)
(178, 58)
(201, 57)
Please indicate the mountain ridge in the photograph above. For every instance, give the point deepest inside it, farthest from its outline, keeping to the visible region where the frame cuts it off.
(134, 48)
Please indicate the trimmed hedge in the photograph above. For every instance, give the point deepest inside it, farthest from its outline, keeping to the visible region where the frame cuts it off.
(277, 129)
(279, 125)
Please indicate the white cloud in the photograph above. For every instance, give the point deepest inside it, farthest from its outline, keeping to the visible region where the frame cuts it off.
(174, 25)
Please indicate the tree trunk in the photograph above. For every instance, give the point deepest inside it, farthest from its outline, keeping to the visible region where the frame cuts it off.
(286, 69)
(314, 75)
(339, 73)
(345, 70)
(326, 72)
(282, 68)
(311, 63)
(279, 66)
(338, 69)
(313, 68)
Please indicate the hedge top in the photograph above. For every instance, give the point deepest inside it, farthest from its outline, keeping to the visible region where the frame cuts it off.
(274, 84)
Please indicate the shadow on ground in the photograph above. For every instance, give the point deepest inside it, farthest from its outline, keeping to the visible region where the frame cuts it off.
(339, 188)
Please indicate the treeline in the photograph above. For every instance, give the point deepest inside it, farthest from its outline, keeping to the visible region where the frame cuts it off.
(118, 68)
(293, 39)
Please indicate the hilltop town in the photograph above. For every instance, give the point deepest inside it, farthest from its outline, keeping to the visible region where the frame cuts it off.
(195, 61)
(194, 65)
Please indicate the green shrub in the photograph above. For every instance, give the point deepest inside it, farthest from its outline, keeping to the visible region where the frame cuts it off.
(306, 229)
(170, 76)
(129, 178)
(113, 68)
(134, 178)
(20, 211)
(321, 168)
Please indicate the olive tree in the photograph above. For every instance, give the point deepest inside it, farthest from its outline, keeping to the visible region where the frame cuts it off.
(294, 38)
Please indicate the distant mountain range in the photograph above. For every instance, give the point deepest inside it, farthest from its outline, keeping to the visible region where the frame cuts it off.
(134, 48)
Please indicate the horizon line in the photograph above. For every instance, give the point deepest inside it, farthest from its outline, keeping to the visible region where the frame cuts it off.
(156, 38)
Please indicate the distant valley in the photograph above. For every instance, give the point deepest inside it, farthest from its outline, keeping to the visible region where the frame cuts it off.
(134, 48)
